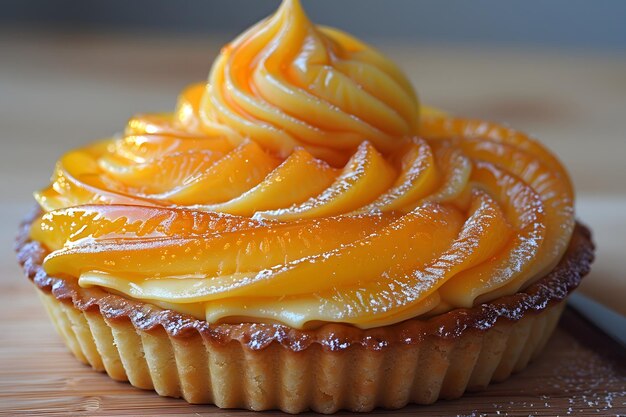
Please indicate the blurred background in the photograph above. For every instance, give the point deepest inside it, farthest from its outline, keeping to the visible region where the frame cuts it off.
(561, 23)
(73, 71)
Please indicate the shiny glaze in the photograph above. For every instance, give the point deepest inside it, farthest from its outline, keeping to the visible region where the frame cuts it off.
(551, 289)
(302, 185)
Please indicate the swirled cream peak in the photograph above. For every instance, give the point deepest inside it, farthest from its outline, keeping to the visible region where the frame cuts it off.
(286, 83)
(292, 188)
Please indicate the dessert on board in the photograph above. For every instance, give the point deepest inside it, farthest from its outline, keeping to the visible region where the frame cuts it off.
(302, 233)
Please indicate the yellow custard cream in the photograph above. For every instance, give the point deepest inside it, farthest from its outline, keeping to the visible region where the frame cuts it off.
(302, 184)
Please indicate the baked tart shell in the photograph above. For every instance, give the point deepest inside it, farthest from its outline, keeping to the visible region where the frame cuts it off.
(330, 368)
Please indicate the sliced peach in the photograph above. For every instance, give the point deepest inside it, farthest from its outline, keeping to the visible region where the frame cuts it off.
(399, 291)
(213, 255)
(161, 174)
(454, 168)
(418, 177)
(64, 226)
(77, 181)
(229, 177)
(298, 178)
(408, 243)
(553, 191)
(434, 127)
(145, 148)
(482, 236)
(363, 179)
(525, 212)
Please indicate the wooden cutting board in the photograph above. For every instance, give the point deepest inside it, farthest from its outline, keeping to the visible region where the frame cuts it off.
(582, 372)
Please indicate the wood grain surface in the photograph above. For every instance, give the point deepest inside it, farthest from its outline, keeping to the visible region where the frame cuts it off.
(58, 91)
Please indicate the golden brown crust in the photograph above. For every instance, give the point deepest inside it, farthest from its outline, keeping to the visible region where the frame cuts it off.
(334, 337)
(355, 379)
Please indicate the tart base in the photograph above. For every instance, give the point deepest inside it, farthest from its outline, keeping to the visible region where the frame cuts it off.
(335, 367)
(355, 379)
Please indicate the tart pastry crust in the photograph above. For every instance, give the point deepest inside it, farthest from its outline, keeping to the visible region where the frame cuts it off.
(333, 367)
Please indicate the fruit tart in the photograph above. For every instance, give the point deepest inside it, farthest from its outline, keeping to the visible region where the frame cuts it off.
(300, 233)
